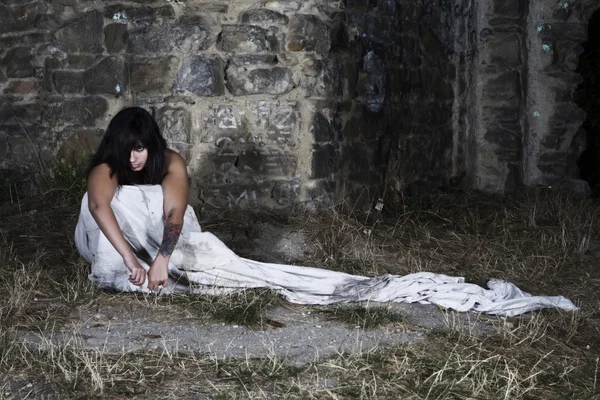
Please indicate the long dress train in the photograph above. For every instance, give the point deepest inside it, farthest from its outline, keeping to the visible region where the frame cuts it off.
(201, 263)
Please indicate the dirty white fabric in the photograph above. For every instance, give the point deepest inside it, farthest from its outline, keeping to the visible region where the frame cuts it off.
(202, 263)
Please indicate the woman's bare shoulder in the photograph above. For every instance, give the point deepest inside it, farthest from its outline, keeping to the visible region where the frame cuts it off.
(101, 185)
(100, 170)
(173, 160)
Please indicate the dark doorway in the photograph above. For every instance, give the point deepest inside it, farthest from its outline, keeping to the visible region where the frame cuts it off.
(588, 98)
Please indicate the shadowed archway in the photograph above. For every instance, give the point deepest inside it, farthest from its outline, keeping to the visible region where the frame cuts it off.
(588, 98)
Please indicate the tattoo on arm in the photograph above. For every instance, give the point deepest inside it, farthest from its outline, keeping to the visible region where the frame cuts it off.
(170, 237)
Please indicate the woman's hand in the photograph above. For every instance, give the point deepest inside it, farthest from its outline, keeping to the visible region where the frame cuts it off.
(137, 272)
(158, 274)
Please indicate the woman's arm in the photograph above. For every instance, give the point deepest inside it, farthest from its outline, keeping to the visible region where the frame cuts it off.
(175, 191)
(101, 190)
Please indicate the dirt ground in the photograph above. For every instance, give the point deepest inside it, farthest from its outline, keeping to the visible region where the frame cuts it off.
(63, 338)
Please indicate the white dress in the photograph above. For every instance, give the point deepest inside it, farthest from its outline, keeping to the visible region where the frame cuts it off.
(201, 263)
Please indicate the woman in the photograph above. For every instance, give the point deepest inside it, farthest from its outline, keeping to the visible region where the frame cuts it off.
(136, 210)
(134, 152)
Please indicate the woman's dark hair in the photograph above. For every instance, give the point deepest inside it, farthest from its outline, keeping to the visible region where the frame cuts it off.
(128, 129)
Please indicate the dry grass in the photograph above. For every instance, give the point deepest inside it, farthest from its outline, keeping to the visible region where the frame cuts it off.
(364, 316)
(538, 242)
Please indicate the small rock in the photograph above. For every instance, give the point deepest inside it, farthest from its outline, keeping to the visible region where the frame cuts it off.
(244, 39)
(84, 34)
(202, 75)
(308, 33)
(245, 81)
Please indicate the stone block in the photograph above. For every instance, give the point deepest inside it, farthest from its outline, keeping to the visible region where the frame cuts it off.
(282, 125)
(25, 39)
(20, 17)
(562, 13)
(504, 114)
(264, 16)
(569, 112)
(509, 8)
(507, 136)
(505, 52)
(22, 152)
(370, 91)
(553, 157)
(224, 161)
(109, 76)
(11, 113)
(555, 141)
(18, 63)
(21, 87)
(216, 178)
(568, 78)
(3, 77)
(82, 61)
(272, 162)
(50, 65)
(80, 144)
(566, 54)
(202, 75)
(245, 81)
(285, 192)
(49, 22)
(505, 86)
(68, 81)
(228, 121)
(84, 34)
(23, 129)
(243, 195)
(229, 126)
(115, 37)
(153, 75)
(308, 33)
(554, 170)
(325, 160)
(322, 78)
(174, 124)
(321, 129)
(84, 111)
(278, 120)
(244, 39)
(578, 187)
(564, 31)
(6, 20)
(188, 34)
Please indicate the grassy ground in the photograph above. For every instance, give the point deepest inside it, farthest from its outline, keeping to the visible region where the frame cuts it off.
(537, 241)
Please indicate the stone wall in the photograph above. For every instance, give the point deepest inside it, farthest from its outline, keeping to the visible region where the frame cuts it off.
(275, 103)
(245, 91)
(525, 127)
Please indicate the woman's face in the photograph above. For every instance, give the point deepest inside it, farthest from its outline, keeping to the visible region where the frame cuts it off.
(138, 157)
